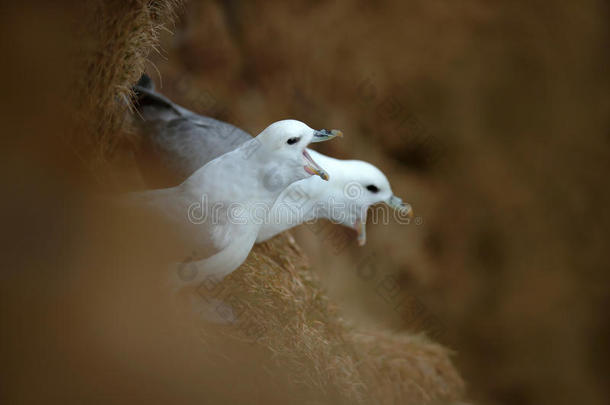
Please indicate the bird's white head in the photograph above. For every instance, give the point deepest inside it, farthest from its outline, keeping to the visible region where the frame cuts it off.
(282, 147)
(354, 187)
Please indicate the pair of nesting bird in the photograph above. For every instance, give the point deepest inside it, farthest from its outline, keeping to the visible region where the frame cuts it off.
(231, 190)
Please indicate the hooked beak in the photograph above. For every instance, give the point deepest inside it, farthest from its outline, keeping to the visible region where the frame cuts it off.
(398, 205)
(313, 168)
(324, 135)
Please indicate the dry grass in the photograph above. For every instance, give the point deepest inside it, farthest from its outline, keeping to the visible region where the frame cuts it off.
(118, 37)
(278, 302)
(404, 367)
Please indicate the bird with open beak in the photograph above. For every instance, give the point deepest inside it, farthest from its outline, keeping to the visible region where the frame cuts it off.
(353, 187)
(213, 213)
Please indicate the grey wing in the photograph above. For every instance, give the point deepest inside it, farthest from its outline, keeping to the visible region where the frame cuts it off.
(172, 150)
(176, 142)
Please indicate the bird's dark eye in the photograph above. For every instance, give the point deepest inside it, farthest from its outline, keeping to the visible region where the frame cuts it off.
(372, 188)
(292, 141)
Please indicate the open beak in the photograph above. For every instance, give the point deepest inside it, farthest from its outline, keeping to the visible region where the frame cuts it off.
(398, 205)
(313, 168)
(324, 135)
(321, 135)
(360, 227)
